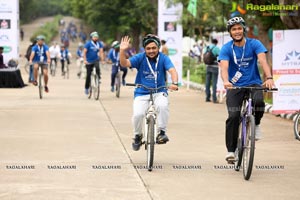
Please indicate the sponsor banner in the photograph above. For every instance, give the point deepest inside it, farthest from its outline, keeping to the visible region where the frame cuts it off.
(169, 14)
(9, 29)
(286, 71)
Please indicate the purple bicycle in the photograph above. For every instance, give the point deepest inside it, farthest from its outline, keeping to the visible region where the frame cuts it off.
(244, 154)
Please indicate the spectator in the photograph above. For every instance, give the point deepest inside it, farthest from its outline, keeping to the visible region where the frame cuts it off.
(2, 65)
(212, 72)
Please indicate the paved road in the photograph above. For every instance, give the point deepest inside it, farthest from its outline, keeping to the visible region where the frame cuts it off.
(69, 147)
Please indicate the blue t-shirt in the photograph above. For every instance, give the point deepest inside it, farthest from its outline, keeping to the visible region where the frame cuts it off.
(248, 62)
(92, 54)
(79, 53)
(144, 74)
(40, 53)
(113, 56)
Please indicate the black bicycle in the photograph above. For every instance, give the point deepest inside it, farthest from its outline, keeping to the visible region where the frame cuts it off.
(149, 138)
(40, 83)
(244, 154)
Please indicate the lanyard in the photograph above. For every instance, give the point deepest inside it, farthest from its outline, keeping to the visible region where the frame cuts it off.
(41, 49)
(234, 55)
(95, 44)
(152, 71)
(117, 58)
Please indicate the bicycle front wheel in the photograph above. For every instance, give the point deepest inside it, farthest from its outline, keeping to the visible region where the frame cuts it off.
(96, 87)
(239, 150)
(40, 85)
(297, 127)
(249, 147)
(118, 85)
(150, 143)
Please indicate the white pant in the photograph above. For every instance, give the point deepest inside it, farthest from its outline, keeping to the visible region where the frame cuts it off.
(140, 106)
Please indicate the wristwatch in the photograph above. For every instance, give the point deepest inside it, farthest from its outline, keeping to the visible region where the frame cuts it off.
(175, 83)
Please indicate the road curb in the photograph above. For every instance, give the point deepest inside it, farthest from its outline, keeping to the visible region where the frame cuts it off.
(268, 108)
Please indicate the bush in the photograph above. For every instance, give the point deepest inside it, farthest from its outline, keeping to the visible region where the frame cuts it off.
(49, 30)
(197, 71)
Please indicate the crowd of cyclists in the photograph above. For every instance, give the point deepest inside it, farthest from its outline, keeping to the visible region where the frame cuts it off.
(89, 54)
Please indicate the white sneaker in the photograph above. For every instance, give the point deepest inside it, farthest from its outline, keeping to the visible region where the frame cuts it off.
(230, 157)
(258, 134)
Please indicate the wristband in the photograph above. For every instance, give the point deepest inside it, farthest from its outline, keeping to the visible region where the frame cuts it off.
(175, 83)
(270, 77)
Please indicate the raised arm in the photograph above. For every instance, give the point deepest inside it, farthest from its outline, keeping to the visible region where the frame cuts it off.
(124, 62)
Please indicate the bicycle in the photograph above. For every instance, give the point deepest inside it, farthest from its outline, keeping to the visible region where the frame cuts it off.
(246, 140)
(66, 70)
(149, 138)
(297, 125)
(94, 85)
(118, 82)
(52, 67)
(40, 83)
(82, 70)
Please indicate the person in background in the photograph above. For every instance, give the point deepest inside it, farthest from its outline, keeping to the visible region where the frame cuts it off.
(27, 56)
(114, 57)
(2, 65)
(92, 52)
(64, 56)
(212, 72)
(40, 56)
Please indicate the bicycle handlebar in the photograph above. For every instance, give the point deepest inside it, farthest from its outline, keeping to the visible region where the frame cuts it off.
(253, 88)
(145, 87)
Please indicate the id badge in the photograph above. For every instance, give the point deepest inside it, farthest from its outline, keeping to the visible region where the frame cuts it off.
(236, 77)
(42, 59)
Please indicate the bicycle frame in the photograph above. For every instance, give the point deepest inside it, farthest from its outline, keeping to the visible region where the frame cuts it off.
(151, 111)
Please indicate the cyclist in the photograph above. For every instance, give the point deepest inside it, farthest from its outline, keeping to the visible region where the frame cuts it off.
(54, 51)
(64, 56)
(238, 61)
(114, 57)
(92, 52)
(40, 56)
(79, 57)
(151, 71)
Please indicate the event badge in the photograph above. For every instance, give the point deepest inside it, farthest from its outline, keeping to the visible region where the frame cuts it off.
(42, 59)
(236, 77)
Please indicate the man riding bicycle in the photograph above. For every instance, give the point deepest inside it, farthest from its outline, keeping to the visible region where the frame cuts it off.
(114, 57)
(79, 57)
(151, 71)
(92, 52)
(238, 61)
(40, 56)
(54, 51)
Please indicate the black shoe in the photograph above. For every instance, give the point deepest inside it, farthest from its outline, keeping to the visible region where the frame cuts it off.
(137, 142)
(162, 138)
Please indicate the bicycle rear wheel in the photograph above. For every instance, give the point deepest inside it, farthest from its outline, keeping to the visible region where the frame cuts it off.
(239, 150)
(249, 147)
(118, 85)
(40, 83)
(96, 87)
(297, 127)
(150, 143)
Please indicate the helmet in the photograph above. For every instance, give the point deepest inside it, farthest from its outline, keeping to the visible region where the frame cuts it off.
(151, 38)
(115, 44)
(234, 21)
(40, 37)
(94, 34)
(80, 45)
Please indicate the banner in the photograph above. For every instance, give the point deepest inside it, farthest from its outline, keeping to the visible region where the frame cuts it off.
(286, 71)
(170, 30)
(192, 7)
(9, 29)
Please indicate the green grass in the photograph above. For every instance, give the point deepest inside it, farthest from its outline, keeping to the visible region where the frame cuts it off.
(197, 71)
